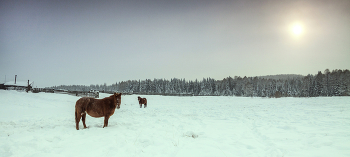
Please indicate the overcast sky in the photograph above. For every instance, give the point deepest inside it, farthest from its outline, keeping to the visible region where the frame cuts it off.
(80, 42)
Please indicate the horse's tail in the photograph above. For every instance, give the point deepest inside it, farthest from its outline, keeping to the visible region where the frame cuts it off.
(76, 118)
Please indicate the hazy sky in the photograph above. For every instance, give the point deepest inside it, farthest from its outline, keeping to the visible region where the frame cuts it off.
(81, 42)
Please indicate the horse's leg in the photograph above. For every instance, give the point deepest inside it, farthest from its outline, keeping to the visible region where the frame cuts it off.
(144, 106)
(106, 121)
(77, 119)
(140, 105)
(83, 119)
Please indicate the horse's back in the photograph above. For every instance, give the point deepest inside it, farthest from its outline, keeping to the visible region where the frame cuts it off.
(83, 103)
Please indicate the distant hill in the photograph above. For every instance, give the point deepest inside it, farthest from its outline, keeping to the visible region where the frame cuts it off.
(282, 76)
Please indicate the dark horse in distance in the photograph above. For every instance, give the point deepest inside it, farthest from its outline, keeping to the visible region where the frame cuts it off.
(96, 108)
(142, 101)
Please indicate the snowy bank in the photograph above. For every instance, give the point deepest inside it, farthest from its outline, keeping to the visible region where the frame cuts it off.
(42, 124)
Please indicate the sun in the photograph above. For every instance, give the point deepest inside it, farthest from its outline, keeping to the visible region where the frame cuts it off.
(297, 29)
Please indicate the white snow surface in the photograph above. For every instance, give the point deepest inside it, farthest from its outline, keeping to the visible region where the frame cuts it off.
(42, 124)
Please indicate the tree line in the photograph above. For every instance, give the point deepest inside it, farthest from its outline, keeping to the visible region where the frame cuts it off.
(328, 83)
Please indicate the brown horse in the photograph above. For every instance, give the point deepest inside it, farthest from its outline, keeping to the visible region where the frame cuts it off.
(96, 108)
(142, 101)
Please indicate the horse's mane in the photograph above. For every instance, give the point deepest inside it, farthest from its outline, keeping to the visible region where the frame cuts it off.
(106, 98)
(110, 97)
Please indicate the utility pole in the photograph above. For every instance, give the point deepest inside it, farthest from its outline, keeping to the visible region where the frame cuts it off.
(28, 87)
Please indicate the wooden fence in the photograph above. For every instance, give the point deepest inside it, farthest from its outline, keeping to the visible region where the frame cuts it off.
(94, 94)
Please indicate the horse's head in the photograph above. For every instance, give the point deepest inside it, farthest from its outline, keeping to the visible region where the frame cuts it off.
(117, 99)
(138, 98)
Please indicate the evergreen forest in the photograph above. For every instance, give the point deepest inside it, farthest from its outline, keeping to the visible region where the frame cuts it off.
(328, 83)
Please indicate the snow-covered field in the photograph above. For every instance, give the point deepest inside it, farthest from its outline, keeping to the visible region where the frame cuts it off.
(43, 124)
